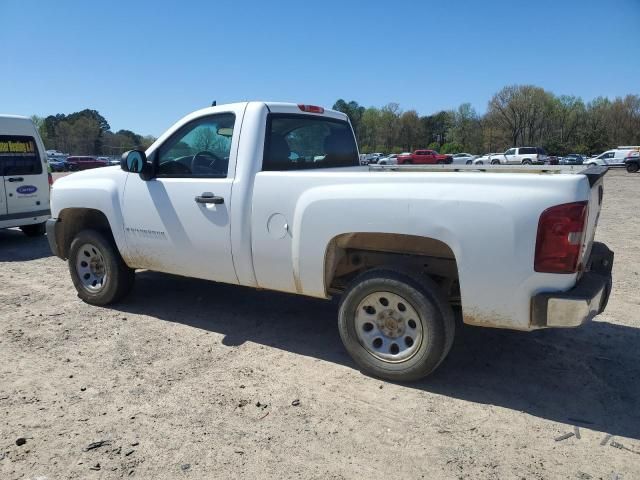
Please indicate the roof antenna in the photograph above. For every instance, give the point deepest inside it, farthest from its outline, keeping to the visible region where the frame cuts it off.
(213, 104)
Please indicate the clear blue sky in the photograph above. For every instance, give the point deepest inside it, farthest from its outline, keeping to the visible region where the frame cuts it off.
(144, 64)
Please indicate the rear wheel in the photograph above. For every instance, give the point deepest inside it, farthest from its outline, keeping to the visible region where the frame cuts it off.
(396, 325)
(495, 162)
(97, 270)
(36, 230)
(526, 161)
(632, 167)
(479, 162)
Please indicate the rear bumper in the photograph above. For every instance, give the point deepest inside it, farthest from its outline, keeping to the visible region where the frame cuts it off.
(584, 301)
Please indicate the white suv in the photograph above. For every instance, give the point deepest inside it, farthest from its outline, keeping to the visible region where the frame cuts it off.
(521, 156)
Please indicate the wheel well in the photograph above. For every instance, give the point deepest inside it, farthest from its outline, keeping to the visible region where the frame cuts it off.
(350, 254)
(73, 220)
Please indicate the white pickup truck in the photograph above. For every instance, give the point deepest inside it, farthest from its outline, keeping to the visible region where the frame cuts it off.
(271, 195)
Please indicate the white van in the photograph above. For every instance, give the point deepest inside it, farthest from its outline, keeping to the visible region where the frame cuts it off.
(24, 176)
(613, 157)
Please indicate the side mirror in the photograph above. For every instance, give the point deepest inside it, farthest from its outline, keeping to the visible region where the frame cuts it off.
(135, 161)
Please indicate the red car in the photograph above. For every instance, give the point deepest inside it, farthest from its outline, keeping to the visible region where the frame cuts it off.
(424, 157)
(84, 163)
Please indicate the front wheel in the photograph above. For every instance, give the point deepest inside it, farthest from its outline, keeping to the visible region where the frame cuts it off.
(633, 167)
(97, 270)
(396, 325)
(495, 162)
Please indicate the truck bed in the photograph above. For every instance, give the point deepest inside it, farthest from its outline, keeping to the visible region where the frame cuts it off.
(593, 173)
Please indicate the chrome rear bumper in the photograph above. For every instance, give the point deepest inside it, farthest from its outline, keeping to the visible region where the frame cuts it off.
(584, 301)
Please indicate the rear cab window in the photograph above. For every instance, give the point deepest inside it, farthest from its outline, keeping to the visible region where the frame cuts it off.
(304, 142)
(19, 156)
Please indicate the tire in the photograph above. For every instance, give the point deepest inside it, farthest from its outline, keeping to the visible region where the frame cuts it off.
(103, 257)
(433, 327)
(469, 162)
(526, 161)
(495, 162)
(633, 167)
(480, 162)
(35, 230)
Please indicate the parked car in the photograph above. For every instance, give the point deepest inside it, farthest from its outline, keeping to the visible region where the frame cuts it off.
(389, 159)
(552, 160)
(463, 158)
(372, 158)
(572, 159)
(24, 177)
(612, 158)
(400, 247)
(632, 161)
(422, 157)
(76, 163)
(489, 158)
(58, 165)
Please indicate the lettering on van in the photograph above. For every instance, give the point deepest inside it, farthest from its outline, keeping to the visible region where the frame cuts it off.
(17, 147)
(27, 189)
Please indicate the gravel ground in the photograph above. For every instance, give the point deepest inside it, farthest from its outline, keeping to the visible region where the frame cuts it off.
(193, 379)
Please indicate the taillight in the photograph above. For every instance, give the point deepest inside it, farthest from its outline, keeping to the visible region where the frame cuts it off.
(559, 240)
(310, 108)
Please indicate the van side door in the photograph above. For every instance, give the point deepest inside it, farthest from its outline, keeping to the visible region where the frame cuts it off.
(25, 180)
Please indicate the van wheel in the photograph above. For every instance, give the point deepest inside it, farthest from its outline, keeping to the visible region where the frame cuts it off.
(97, 270)
(396, 325)
(526, 161)
(36, 230)
(632, 167)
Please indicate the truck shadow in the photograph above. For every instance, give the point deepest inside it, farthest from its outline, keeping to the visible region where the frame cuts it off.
(586, 377)
(15, 246)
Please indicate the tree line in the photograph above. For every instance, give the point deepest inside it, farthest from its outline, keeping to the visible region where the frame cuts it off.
(517, 115)
(87, 133)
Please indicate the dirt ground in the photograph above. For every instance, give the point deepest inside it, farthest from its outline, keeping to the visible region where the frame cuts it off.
(192, 379)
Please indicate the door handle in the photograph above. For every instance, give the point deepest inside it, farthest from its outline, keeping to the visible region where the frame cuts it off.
(208, 197)
(16, 179)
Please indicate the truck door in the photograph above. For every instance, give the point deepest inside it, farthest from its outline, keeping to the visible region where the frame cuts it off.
(511, 157)
(179, 221)
(25, 181)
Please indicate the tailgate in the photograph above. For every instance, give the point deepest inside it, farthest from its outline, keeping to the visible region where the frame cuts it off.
(595, 175)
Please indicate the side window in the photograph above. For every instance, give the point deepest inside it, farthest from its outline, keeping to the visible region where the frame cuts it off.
(301, 142)
(199, 149)
(19, 156)
(511, 151)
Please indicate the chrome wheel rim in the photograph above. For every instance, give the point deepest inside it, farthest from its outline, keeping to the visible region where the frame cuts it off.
(91, 268)
(388, 327)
